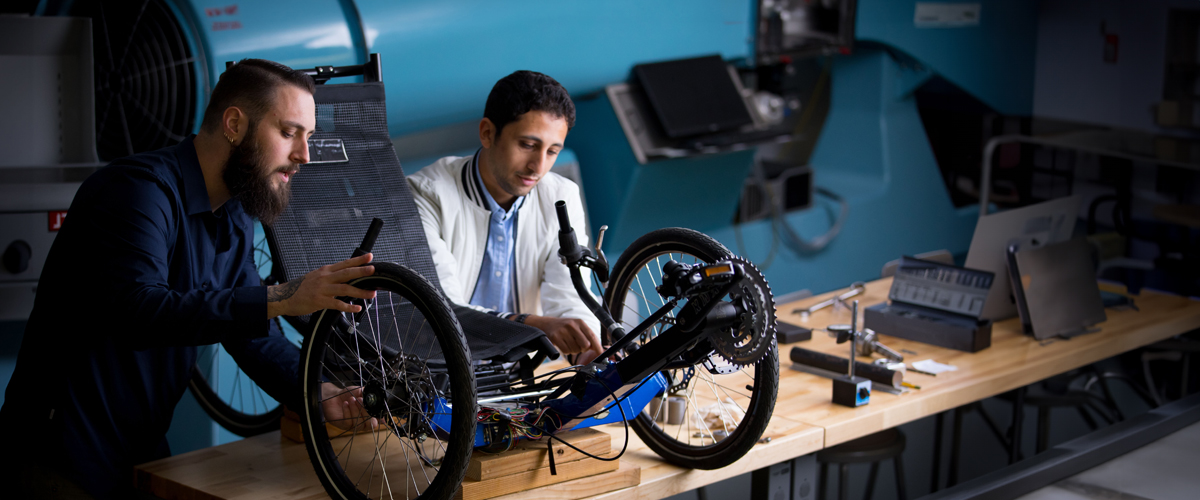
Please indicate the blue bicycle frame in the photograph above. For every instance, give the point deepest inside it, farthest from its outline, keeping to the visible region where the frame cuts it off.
(621, 389)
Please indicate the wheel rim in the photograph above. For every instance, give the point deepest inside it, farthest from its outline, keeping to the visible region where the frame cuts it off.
(409, 454)
(714, 405)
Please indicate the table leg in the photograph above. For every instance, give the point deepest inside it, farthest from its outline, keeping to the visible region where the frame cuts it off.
(1014, 444)
(955, 446)
(938, 426)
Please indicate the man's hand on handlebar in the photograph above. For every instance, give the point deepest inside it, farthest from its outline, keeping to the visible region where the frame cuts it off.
(569, 336)
(320, 289)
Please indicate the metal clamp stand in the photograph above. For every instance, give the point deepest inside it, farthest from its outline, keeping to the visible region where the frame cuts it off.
(849, 390)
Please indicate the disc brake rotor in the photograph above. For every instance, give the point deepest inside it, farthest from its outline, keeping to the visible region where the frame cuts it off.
(685, 376)
(752, 336)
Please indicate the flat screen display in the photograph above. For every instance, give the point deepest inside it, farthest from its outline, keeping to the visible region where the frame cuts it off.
(693, 96)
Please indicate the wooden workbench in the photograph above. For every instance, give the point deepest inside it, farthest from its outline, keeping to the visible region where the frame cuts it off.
(1014, 360)
(804, 420)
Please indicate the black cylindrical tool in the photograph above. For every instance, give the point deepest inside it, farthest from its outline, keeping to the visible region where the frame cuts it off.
(839, 365)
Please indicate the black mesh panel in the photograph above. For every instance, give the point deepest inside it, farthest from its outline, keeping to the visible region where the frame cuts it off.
(333, 204)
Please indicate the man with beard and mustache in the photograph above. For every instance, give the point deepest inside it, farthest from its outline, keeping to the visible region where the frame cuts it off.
(154, 260)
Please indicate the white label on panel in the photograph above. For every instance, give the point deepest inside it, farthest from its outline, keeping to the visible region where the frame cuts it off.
(946, 15)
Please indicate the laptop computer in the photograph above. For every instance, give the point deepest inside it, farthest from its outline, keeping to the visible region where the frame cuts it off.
(1028, 227)
(1056, 289)
(693, 96)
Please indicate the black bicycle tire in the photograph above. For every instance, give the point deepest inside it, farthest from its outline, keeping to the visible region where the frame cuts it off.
(233, 420)
(766, 378)
(237, 422)
(431, 303)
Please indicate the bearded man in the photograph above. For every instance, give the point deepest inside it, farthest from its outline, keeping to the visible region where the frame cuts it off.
(155, 259)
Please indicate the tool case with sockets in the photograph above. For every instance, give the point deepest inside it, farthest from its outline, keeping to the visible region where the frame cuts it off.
(937, 304)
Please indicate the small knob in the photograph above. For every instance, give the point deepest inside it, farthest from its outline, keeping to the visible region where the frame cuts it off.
(16, 257)
(863, 393)
(842, 332)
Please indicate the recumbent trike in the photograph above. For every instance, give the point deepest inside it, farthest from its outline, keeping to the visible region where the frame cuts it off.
(689, 325)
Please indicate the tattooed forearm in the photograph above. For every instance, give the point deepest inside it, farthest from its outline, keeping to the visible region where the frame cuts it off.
(282, 291)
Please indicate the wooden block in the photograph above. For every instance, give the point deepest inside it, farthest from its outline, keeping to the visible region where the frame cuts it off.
(627, 475)
(478, 490)
(530, 455)
(290, 427)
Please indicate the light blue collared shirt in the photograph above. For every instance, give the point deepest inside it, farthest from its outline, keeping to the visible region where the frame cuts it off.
(494, 289)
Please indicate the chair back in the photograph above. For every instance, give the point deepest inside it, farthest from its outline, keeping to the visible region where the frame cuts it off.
(354, 176)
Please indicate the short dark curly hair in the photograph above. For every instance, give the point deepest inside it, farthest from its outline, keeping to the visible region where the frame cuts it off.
(525, 91)
(250, 84)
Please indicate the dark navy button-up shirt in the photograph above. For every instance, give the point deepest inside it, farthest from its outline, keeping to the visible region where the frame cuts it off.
(141, 272)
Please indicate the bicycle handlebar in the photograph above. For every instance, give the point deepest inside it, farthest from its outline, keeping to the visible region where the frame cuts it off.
(568, 245)
(573, 256)
(368, 243)
(564, 220)
(369, 240)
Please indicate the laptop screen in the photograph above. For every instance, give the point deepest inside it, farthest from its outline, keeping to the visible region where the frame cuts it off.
(1033, 226)
(693, 96)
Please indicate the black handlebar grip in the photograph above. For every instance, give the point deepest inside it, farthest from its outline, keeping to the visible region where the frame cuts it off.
(568, 246)
(564, 222)
(369, 240)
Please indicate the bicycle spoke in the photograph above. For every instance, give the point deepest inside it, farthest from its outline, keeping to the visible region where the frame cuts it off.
(262, 397)
(365, 472)
(704, 425)
(404, 397)
(645, 301)
(408, 470)
(386, 483)
(720, 404)
(421, 460)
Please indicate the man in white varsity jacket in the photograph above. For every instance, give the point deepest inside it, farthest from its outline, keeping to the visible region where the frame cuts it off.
(490, 217)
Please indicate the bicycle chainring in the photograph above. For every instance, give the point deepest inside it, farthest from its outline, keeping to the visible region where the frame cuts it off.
(754, 334)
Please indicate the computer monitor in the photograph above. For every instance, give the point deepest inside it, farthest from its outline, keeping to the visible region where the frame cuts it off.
(693, 96)
(803, 28)
(1029, 227)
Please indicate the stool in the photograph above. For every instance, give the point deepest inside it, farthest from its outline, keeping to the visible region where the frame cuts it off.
(870, 449)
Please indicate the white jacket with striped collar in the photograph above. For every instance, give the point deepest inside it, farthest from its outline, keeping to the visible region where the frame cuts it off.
(455, 215)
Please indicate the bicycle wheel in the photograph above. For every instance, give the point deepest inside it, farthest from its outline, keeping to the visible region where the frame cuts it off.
(407, 362)
(725, 407)
(227, 394)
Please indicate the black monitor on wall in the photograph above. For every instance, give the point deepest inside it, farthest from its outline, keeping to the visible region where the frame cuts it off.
(803, 28)
(693, 96)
